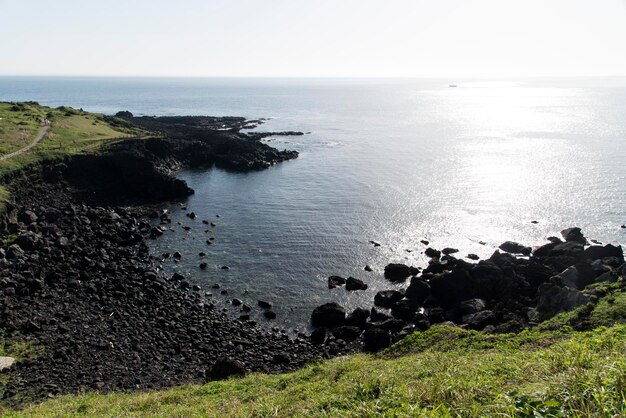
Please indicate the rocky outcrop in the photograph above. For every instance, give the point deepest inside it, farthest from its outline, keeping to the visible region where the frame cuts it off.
(503, 293)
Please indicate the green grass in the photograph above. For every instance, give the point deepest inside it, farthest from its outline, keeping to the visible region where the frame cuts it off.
(72, 131)
(4, 197)
(18, 125)
(445, 371)
(18, 349)
(608, 308)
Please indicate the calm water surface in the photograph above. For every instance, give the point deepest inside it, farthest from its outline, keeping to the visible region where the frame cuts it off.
(385, 160)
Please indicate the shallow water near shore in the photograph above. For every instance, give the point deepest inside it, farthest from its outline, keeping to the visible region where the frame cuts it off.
(386, 160)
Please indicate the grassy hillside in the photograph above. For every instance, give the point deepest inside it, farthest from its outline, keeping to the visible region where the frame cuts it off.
(71, 131)
(445, 371)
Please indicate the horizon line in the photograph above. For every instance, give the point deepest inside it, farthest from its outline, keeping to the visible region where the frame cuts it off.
(400, 77)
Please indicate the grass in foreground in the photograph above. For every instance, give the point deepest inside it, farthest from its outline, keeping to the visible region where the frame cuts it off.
(445, 371)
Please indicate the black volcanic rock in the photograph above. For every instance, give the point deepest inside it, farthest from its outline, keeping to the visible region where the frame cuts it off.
(386, 298)
(358, 317)
(515, 248)
(336, 281)
(574, 235)
(419, 289)
(328, 315)
(86, 287)
(596, 252)
(432, 253)
(224, 368)
(346, 333)
(355, 284)
(376, 339)
(397, 272)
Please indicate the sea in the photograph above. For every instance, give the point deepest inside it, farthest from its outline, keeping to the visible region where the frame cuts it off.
(460, 163)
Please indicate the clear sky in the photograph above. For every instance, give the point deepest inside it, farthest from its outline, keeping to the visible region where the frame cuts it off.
(319, 38)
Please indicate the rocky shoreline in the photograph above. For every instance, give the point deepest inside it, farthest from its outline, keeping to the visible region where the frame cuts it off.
(79, 286)
(516, 288)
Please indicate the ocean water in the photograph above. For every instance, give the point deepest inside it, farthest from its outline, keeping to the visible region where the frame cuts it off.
(395, 161)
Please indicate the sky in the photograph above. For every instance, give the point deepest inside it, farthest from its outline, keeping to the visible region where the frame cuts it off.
(313, 38)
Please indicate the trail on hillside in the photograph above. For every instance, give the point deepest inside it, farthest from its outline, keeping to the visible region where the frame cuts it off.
(38, 138)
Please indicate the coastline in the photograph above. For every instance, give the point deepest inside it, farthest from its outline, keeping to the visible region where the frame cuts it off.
(80, 288)
(79, 281)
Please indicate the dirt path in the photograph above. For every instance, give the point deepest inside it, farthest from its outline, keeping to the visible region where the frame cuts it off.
(39, 137)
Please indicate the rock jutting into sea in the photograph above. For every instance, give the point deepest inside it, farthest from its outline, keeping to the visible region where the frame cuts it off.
(504, 293)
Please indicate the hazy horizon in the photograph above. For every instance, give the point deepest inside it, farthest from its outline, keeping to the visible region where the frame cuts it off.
(321, 39)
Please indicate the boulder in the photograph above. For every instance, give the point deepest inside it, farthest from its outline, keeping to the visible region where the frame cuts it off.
(448, 251)
(318, 336)
(552, 299)
(6, 362)
(328, 315)
(51, 215)
(14, 251)
(451, 288)
(346, 333)
(27, 241)
(432, 253)
(574, 235)
(479, 320)
(269, 314)
(472, 306)
(486, 277)
(335, 281)
(404, 309)
(358, 317)
(419, 289)
(386, 298)
(376, 315)
(515, 248)
(576, 277)
(596, 252)
(264, 305)
(355, 284)
(376, 339)
(568, 249)
(397, 272)
(544, 250)
(392, 325)
(224, 368)
(27, 217)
